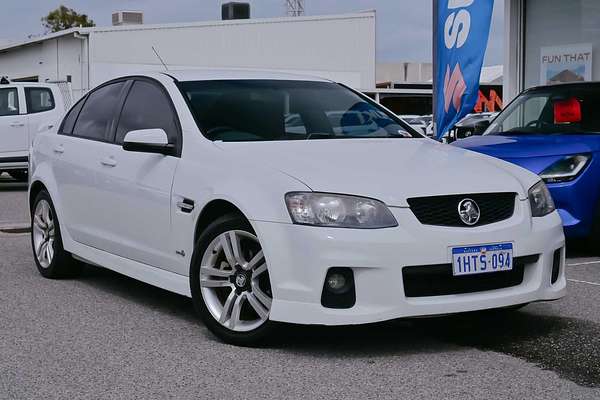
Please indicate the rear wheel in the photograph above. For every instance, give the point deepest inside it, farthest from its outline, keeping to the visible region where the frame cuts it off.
(19, 175)
(230, 282)
(50, 257)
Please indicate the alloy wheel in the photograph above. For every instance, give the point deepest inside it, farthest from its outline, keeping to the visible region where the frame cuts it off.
(234, 281)
(43, 233)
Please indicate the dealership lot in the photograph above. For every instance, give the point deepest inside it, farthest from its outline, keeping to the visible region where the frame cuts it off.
(107, 336)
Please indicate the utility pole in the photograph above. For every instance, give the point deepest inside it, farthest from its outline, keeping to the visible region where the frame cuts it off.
(295, 8)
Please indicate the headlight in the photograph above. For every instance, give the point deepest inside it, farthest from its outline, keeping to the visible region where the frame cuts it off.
(338, 211)
(540, 200)
(566, 169)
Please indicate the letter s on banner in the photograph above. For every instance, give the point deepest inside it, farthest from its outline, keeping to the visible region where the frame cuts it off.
(461, 34)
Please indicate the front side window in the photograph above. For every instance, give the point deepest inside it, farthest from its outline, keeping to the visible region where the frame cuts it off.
(98, 114)
(147, 107)
(39, 100)
(271, 110)
(551, 110)
(9, 102)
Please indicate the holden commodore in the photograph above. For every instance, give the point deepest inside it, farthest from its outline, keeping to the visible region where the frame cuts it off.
(273, 198)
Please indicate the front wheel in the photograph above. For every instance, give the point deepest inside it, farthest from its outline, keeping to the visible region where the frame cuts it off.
(230, 282)
(50, 257)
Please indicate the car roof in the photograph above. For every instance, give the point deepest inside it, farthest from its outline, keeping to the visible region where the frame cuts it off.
(34, 84)
(235, 74)
(562, 85)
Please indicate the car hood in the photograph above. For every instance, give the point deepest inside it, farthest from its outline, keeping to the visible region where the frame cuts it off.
(527, 146)
(390, 170)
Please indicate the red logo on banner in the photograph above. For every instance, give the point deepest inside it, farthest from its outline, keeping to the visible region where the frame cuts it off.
(454, 88)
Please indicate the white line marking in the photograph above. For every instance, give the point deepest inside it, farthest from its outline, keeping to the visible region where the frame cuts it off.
(583, 263)
(589, 283)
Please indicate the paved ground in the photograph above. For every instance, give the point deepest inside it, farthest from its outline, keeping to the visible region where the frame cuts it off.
(106, 336)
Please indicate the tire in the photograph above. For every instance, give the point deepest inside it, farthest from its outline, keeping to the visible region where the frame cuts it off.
(234, 301)
(19, 175)
(50, 257)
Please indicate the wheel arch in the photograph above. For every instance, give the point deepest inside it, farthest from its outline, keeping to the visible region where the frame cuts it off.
(214, 209)
(36, 187)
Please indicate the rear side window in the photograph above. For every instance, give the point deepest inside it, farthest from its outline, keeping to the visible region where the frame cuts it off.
(9, 102)
(147, 107)
(97, 116)
(69, 121)
(39, 100)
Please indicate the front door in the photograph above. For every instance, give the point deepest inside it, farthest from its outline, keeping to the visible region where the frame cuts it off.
(134, 196)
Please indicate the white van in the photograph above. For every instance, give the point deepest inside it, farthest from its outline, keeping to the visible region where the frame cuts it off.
(25, 110)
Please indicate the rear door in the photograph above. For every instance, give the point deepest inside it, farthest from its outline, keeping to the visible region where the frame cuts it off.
(134, 189)
(42, 113)
(14, 141)
(85, 135)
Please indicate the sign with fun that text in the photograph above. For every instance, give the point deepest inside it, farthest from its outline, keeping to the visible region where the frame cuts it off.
(571, 63)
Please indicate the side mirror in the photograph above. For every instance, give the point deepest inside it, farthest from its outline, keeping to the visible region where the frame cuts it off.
(148, 141)
(481, 126)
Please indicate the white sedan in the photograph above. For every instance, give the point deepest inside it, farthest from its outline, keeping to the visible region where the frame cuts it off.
(280, 198)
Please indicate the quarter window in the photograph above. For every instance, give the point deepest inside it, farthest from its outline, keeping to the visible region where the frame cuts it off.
(69, 121)
(9, 102)
(147, 107)
(39, 100)
(97, 116)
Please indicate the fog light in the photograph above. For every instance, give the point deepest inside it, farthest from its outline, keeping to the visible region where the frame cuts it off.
(556, 261)
(336, 283)
(338, 288)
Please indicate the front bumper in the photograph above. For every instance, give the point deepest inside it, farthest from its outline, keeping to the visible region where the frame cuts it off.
(299, 257)
(577, 203)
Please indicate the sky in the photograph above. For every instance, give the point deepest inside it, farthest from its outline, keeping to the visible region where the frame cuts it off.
(403, 26)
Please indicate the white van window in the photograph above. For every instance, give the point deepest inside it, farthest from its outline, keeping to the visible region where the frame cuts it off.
(9, 103)
(39, 100)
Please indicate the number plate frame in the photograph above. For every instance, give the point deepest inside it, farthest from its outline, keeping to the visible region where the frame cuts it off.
(484, 259)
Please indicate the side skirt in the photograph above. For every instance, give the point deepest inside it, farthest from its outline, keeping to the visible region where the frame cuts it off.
(151, 275)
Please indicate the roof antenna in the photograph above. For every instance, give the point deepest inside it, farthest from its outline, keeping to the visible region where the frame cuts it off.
(160, 58)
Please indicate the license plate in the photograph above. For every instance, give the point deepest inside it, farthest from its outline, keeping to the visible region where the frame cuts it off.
(482, 259)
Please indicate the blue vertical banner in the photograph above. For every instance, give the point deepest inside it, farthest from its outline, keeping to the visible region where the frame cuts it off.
(461, 32)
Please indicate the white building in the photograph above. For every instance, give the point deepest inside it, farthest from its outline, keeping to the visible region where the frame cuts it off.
(339, 47)
(546, 39)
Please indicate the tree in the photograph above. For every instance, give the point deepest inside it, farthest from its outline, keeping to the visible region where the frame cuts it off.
(64, 18)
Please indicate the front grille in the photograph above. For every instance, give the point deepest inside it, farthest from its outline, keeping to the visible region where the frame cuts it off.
(438, 280)
(443, 210)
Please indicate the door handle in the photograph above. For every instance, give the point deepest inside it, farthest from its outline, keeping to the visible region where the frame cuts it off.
(59, 149)
(109, 162)
(17, 124)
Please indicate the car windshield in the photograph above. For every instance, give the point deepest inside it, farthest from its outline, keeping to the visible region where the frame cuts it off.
(272, 110)
(561, 109)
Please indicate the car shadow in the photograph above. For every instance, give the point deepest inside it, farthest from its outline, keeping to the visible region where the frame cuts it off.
(407, 335)
(129, 289)
(578, 248)
(526, 334)
(7, 184)
(568, 346)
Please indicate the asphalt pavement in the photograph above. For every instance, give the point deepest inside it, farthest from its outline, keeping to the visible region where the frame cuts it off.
(106, 336)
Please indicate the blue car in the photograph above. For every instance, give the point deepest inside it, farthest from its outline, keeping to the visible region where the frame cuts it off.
(554, 131)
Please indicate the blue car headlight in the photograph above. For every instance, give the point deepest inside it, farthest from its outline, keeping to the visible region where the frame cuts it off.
(566, 169)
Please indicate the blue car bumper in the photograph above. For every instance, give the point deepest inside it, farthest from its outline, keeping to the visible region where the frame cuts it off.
(576, 201)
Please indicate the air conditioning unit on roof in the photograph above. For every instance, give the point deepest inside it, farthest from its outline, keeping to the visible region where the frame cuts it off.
(120, 18)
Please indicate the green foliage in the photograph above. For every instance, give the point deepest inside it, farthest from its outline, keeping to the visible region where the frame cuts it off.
(64, 18)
